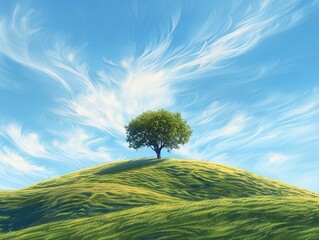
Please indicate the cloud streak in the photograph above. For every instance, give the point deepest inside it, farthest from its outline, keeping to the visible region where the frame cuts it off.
(97, 99)
(26, 142)
(277, 137)
(152, 79)
(73, 147)
(16, 170)
(277, 120)
(17, 163)
(148, 80)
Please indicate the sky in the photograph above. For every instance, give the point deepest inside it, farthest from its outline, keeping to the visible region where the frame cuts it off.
(244, 74)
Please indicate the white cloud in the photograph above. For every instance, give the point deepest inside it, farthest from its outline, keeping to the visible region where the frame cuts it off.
(76, 146)
(70, 147)
(191, 152)
(275, 121)
(17, 33)
(278, 158)
(18, 171)
(148, 81)
(15, 162)
(235, 125)
(27, 142)
(107, 99)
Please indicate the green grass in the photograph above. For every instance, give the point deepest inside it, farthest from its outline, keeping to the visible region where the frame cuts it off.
(246, 218)
(159, 199)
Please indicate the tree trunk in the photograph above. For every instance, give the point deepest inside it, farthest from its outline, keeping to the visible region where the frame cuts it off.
(158, 153)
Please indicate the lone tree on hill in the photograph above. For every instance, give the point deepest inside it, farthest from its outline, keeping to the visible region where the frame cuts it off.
(157, 130)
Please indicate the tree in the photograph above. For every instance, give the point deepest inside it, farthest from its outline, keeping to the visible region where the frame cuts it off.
(157, 130)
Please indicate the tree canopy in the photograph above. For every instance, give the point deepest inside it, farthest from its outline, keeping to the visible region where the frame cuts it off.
(157, 130)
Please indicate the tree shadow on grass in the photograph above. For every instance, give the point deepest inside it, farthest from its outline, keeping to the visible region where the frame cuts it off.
(131, 165)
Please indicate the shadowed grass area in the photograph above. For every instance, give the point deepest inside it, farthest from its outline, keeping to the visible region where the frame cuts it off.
(129, 165)
(31, 207)
(246, 218)
(185, 179)
(117, 187)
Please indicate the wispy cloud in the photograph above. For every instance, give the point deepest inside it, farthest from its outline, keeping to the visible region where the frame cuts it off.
(27, 142)
(23, 40)
(17, 33)
(278, 120)
(73, 147)
(99, 99)
(149, 80)
(26, 157)
(11, 160)
(77, 147)
(15, 170)
(278, 158)
(278, 139)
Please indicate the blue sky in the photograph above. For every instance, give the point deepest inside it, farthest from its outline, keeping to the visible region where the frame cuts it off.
(244, 74)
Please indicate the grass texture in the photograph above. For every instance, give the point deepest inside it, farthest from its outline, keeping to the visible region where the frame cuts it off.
(159, 199)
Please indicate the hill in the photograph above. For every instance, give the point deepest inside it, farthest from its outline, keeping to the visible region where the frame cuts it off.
(247, 218)
(151, 199)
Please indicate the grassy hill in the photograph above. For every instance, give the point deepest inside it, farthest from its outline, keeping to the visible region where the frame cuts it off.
(159, 199)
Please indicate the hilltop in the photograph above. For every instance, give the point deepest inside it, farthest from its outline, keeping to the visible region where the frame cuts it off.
(158, 199)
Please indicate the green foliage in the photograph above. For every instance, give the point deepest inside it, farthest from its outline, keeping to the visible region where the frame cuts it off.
(157, 130)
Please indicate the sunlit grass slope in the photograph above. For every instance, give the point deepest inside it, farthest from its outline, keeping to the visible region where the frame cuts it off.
(246, 218)
(127, 192)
